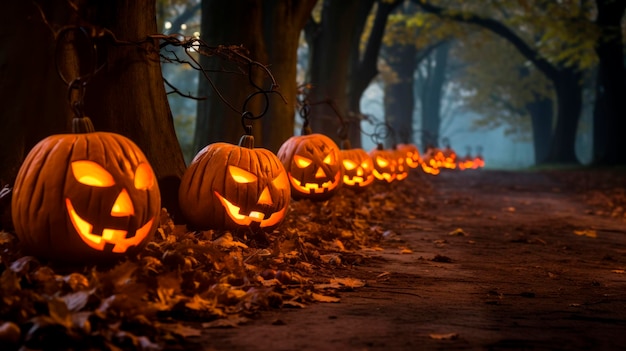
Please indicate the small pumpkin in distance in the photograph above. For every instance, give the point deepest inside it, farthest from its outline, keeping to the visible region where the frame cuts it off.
(402, 170)
(85, 197)
(357, 168)
(412, 154)
(313, 165)
(235, 186)
(385, 164)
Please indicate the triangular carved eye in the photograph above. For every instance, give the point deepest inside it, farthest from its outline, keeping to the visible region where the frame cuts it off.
(281, 181)
(381, 161)
(302, 162)
(90, 173)
(241, 176)
(366, 164)
(330, 159)
(349, 165)
(144, 177)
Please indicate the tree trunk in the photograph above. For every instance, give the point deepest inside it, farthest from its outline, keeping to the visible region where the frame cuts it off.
(126, 96)
(227, 23)
(270, 31)
(283, 22)
(399, 98)
(569, 99)
(33, 98)
(331, 47)
(431, 97)
(541, 114)
(610, 110)
(364, 67)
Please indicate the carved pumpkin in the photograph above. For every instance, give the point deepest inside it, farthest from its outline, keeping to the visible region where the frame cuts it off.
(313, 164)
(430, 164)
(85, 197)
(235, 186)
(402, 170)
(357, 168)
(385, 164)
(412, 154)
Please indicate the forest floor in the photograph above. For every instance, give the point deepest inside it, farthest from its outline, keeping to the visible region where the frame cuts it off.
(492, 260)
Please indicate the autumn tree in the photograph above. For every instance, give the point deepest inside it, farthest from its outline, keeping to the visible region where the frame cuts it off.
(125, 95)
(416, 45)
(268, 32)
(340, 68)
(561, 55)
(496, 83)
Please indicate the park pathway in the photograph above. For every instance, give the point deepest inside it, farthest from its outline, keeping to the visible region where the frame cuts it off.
(502, 261)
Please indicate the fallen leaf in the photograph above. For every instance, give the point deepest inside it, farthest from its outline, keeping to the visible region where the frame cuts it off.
(586, 232)
(181, 330)
(348, 282)
(448, 336)
(458, 232)
(230, 322)
(324, 298)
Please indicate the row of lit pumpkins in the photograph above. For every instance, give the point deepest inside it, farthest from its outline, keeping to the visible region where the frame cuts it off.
(93, 196)
(435, 159)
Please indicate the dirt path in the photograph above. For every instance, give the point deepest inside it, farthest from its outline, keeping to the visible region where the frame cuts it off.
(505, 261)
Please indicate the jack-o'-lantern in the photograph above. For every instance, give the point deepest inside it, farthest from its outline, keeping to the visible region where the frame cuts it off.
(430, 163)
(313, 164)
(85, 197)
(402, 170)
(466, 162)
(411, 153)
(357, 168)
(385, 164)
(235, 186)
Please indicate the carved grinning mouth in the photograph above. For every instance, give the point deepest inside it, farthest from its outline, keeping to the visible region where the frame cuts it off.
(253, 216)
(385, 176)
(356, 180)
(315, 188)
(116, 237)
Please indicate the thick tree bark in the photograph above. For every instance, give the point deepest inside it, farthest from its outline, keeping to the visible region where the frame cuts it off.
(610, 110)
(283, 23)
(541, 113)
(126, 96)
(332, 46)
(569, 105)
(398, 98)
(364, 68)
(431, 97)
(270, 31)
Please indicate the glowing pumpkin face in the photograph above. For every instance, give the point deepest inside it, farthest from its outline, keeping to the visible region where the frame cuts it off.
(90, 196)
(412, 155)
(385, 164)
(234, 187)
(357, 168)
(313, 164)
(402, 170)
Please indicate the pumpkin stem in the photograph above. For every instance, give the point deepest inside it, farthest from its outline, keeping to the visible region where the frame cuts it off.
(345, 144)
(306, 130)
(82, 125)
(379, 146)
(247, 141)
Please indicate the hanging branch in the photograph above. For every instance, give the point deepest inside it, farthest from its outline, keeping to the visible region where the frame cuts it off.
(304, 104)
(236, 54)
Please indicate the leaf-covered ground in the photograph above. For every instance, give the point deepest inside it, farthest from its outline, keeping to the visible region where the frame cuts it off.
(185, 281)
(399, 257)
